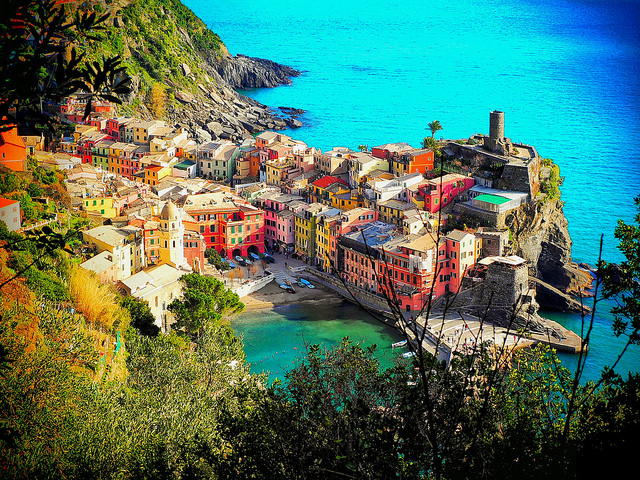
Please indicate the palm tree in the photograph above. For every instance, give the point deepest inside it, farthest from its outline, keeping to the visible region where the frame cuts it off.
(434, 127)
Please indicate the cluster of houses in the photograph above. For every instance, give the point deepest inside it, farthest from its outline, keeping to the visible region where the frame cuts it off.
(371, 216)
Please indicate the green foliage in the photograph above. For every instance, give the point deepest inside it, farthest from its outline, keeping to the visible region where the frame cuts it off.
(430, 143)
(434, 127)
(216, 260)
(622, 282)
(54, 65)
(11, 182)
(204, 303)
(551, 186)
(141, 317)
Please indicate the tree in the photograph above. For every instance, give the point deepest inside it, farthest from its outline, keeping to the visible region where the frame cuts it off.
(216, 260)
(141, 317)
(434, 127)
(622, 281)
(45, 45)
(204, 303)
(431, 144)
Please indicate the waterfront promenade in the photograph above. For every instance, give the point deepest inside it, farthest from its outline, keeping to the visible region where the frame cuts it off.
(444, 333)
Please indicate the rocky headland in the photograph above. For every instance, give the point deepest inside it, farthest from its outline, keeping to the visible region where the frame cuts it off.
(182, 72)
(540, 234)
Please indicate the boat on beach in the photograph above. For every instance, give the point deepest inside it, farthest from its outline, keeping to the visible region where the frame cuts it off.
(288, 287)
(254, 256)
(306, 283)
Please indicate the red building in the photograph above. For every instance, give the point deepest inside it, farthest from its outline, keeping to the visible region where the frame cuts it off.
(194, 248)
(389, 150)
(228, 223)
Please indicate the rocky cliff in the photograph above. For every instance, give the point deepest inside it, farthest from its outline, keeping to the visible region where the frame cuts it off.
(184, 74)
(540, 234)
(244, 72)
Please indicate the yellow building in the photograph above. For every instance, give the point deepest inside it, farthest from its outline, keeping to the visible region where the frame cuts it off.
(324, 232)
(347, 201)
(275, 170)
(101, 205)
(324, 188)
(153, 174)
(393, 211)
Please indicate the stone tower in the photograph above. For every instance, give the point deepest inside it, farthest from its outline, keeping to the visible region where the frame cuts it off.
(171, 233)
(496, 126)
(496, 141)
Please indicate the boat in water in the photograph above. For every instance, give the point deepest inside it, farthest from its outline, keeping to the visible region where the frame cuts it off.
(408, 354)
(401, 343)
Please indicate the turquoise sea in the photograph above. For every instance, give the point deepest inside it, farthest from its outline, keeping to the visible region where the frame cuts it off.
(565, 72)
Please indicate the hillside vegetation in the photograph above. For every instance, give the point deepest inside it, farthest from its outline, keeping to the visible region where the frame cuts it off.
(182, 71)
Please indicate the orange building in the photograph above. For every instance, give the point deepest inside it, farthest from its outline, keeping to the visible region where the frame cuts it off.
(13, 152)
(412, 161)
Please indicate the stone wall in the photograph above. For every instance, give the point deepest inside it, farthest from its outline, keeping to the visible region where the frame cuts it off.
(493, 219)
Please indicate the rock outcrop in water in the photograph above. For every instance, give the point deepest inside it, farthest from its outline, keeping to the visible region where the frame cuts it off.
(249, 72)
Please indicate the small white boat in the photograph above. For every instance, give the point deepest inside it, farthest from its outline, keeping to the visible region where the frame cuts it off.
(402, 343)
(408, 354)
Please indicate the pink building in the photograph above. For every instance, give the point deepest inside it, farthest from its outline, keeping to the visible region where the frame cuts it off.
(194, 247)
(440, 192)
(278, 229)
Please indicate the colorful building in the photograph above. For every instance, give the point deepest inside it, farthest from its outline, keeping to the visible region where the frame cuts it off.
(412, 161)
(324, 188)
(10, 214)
(442, 191)
(228, 223)
(13, 152)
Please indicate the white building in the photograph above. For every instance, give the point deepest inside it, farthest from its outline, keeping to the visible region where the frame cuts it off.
(10, 214)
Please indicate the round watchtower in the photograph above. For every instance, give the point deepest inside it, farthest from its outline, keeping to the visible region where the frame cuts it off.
(496, 126)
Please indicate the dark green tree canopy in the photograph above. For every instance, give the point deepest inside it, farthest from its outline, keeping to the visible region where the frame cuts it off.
(204, 303)
(141, 317)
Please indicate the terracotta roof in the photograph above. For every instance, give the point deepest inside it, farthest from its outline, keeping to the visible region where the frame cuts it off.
(4, 202)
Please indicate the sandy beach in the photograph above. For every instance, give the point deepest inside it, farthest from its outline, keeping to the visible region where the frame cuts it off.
(273, 296)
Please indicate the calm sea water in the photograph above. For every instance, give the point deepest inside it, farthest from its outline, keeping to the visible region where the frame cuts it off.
(276, 339)
(566, 73)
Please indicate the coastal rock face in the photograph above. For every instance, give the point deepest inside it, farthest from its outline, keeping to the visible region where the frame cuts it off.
(249, 72)
(540, 234)
(196, 71)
